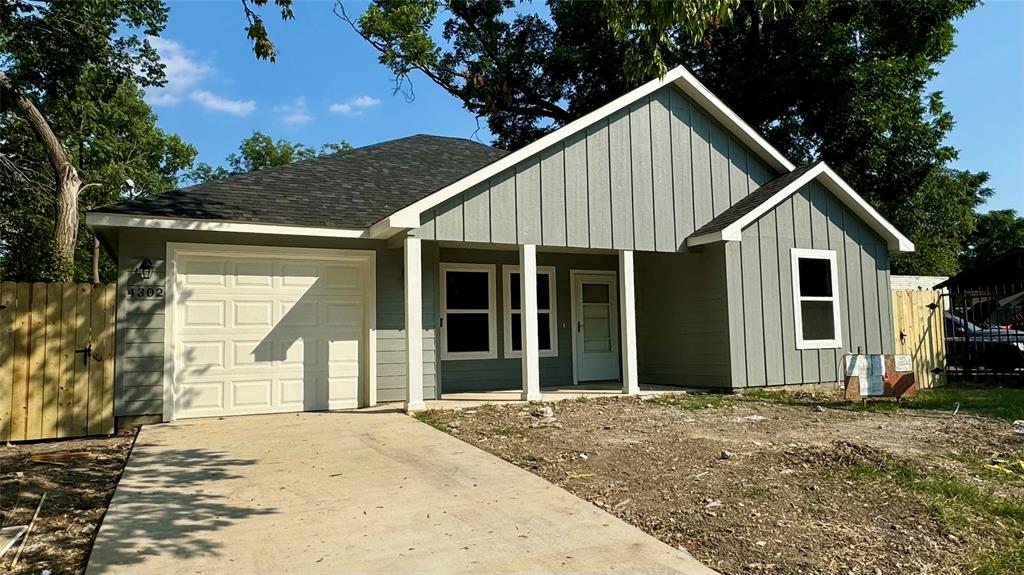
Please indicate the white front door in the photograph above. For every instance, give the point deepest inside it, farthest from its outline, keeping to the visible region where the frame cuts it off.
(596, 326)
(268, 330)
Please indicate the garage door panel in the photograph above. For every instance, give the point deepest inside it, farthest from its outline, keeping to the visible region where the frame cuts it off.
(299, 274)
(254, 274)
(252, 314)
(202, 396)
(202, 355)
(292, 392)
(203, 271)
(252, 393)
(204, 314)
(343, 315)
(342, 277)
(268, 334)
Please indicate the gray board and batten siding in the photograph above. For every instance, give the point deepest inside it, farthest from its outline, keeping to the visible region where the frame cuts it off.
(642, 179)
(140, 333)
(762, 328)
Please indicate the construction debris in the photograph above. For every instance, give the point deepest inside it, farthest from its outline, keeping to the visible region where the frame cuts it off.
(9, 536)
(28, 531)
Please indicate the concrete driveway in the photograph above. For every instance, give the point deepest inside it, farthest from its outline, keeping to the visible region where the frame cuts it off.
(351, 492)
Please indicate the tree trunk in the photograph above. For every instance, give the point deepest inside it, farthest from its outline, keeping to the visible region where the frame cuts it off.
(95, 260)
(65, 226)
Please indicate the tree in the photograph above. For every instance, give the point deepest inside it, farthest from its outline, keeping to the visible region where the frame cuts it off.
(259, 151)
(49, 51)
(117, 148)
(997, 231)
(839, 80)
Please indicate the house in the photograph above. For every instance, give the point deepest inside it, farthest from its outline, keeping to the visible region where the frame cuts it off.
(658, 239)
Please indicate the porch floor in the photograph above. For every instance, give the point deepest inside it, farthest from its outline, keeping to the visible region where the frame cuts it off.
(466, 399)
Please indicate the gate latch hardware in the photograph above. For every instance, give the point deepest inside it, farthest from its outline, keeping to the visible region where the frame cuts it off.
(86, 354)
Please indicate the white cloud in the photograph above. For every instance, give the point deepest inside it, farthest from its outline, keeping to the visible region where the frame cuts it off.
(216, 103)
(183, 72)
(294, 114)
(185, 76)
(355, 106)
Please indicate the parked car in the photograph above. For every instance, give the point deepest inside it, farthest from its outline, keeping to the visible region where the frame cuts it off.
(970, 346)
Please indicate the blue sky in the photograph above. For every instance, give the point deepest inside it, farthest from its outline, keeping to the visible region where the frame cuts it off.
(327, 86)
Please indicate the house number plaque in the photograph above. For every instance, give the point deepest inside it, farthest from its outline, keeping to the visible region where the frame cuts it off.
(145, 292)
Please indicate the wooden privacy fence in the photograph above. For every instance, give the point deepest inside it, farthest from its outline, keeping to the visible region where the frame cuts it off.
(56, 360)
(920, 332)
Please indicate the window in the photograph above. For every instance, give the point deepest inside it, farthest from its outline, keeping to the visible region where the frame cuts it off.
(816, 299)
(547, 324)
(467, 308)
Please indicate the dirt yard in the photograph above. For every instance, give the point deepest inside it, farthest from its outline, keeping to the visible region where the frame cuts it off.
(776, 485)
(78, 477)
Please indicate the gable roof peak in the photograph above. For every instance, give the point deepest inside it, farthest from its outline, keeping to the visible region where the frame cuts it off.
(680, 77)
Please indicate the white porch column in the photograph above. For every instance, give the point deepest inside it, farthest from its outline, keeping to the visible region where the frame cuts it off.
(413, 325)
(528, 316)
(627, 309)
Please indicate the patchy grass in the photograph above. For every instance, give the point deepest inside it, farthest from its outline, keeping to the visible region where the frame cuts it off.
(962, 506)
(434, 418)
(995, 402)
(688, 402)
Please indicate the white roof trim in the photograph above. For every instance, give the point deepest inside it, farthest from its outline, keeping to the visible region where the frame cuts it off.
(99, 220)
(409, 217)
(896, 241)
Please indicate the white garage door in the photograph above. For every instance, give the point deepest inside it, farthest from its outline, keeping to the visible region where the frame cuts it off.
(268, 330)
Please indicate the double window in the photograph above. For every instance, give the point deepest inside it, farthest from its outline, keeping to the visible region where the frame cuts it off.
(816, 299)
(467, 301)
(469, 324)
(547, 328)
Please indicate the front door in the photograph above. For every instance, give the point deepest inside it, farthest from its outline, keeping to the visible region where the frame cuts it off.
(596, 323)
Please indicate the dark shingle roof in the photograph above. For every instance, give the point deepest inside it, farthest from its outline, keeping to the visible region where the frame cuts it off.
(349, 189)
(751, 202)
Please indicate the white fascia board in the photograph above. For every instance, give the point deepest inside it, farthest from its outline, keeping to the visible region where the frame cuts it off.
(409, 216)
(896, 241)
(105, 220)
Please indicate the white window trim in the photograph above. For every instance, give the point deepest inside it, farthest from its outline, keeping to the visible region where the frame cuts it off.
(796, 255)
(492, 331)
(506, 289)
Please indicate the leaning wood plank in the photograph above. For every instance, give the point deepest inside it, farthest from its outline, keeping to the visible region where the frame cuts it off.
(81, 397)
(37, 357)
(9, 536)
(104, 415)
(51, 362)
(66, 375)
(7, 305)
(28, 531)
(19, 388)
(96, 333)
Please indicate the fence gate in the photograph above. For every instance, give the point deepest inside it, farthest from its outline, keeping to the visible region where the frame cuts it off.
(56, 360)
(920, 333)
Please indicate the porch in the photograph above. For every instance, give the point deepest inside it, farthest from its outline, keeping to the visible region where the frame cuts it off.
(592, 390)
(490, 322)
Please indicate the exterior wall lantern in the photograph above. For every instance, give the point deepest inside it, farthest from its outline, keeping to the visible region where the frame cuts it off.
(145, 268)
